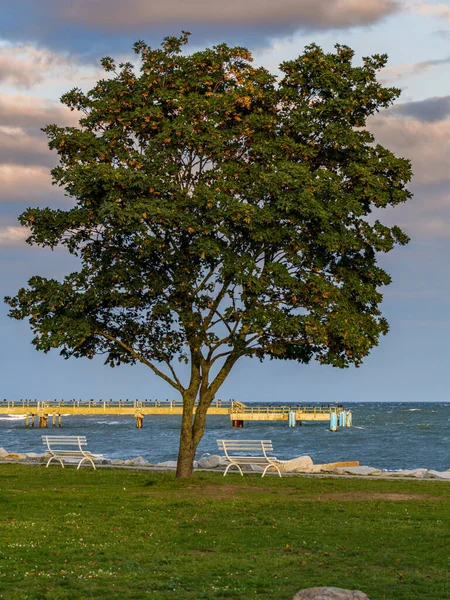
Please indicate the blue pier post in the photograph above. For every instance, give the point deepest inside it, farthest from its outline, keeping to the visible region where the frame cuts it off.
(342, 418)
(333, 422)
(291, 420)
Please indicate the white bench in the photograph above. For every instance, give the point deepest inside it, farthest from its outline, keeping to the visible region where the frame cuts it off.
(237, 453)
(59, 448)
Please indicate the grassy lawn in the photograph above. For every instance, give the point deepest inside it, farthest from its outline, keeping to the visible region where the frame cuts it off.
(130, 534)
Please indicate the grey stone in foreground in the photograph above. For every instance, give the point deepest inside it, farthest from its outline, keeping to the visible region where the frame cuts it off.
(358, 470)
(211, 462)
(407, 473)
(329, 593)
(439, 474)
(3, 452)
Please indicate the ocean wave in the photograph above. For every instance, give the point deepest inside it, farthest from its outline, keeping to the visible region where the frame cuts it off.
(13, 418)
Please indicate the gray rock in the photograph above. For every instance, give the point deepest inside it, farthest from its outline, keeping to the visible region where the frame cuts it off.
(408, 473)
(32, 456)
(359, 470)
(439, 474)
(329, 593)
(139, 461)
(211, 462)
(117, 461)
(257, 468)
(3, 452)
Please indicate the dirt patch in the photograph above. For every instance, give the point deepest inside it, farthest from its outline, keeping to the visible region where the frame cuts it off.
(223, 492)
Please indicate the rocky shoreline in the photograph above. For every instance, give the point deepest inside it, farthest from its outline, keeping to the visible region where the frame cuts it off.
(301, 465)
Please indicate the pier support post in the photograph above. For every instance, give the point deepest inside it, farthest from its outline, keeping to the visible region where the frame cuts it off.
(348, 418)
(237, 423)
(291, 419)
(333, 422)
(139, 420)
(43, 420)
(32, 419)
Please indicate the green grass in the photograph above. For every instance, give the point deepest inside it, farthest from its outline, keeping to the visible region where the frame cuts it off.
(114, 534)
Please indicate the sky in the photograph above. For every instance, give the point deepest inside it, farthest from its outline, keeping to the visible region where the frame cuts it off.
(51, 46)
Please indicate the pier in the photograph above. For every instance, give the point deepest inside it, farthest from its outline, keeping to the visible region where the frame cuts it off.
(54, 410)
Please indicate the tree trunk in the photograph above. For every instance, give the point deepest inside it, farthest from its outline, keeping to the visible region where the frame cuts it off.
(186, 452)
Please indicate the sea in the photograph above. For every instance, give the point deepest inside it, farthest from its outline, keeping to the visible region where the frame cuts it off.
(387, 436)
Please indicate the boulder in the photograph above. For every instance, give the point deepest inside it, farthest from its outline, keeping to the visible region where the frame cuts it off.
(357, 471)
(329, 593)
(14, 456)
(140, 462)
(439, 474)
(407, 473)
(117, 461)
(3, 452)
(32, 456)
(295, 465)
(211, 462)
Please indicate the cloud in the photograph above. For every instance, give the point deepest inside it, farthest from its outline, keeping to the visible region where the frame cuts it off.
(396, 72)
(90, 27)
(18, 147)
(26, 183)
(283, 14)
(13, 236)
(433, 10)
(33, 112)
(427, 144)
(25, 65)
(430, 109)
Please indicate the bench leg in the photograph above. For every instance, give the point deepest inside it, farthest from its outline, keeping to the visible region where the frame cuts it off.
(268, 467)
(55, 458)
(86, 458)
(233, 465)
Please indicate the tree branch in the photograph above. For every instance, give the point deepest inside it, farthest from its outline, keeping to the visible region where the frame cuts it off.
(175, 384)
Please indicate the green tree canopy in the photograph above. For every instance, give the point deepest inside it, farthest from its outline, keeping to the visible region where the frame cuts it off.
(219, 212)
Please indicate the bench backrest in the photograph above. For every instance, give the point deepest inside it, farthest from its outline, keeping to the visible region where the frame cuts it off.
(64, 440)
(233, 447)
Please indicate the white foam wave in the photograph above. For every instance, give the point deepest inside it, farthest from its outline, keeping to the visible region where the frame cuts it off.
(13, 418)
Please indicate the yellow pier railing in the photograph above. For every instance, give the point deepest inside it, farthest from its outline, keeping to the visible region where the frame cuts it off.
(237, 411)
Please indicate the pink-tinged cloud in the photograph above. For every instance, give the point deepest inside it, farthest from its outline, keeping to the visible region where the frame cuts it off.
(13, 236)
(33, 112)
(20, 148)
(19, 183)
(25, 66)
(426, 144)
(439, 10)
(289, 15)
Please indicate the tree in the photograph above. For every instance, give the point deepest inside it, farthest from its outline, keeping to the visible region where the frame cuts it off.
(219, 212)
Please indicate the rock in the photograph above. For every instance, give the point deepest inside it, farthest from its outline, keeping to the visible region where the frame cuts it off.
(3, 452)
(357, 471)
(407, 473)
(32, 456)
(211, 462)
(117, 461)
(257, 468)
(439, 474)
(168, 464)
(301, 463)
(329, 593)
(14, 456)
(140, 462)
